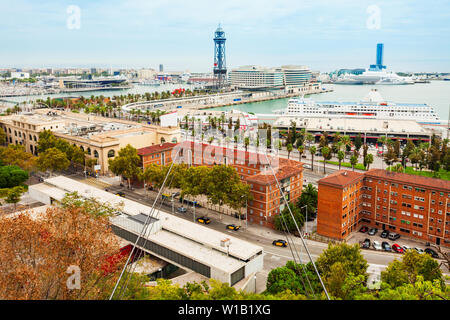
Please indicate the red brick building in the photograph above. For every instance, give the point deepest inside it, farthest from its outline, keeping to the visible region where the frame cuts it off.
(160, 154)
(254, 170)
(407, 204)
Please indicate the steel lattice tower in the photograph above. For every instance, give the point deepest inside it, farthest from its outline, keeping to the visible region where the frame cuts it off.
(220, 67)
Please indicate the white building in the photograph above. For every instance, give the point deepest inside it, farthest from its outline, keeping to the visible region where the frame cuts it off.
(20, 75)
(296, 75)
(256, 77)
(186, 244)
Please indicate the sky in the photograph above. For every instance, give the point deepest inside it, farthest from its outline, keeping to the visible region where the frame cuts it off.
(323, 34)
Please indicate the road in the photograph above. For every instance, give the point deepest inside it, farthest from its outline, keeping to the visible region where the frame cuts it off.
(274, 256)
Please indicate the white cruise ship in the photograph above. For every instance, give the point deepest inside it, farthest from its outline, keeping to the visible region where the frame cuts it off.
(373, 106)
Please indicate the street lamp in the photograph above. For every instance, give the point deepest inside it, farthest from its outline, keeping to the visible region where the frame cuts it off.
(306, 217)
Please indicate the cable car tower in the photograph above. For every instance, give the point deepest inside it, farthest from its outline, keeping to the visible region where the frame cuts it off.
(220, 68)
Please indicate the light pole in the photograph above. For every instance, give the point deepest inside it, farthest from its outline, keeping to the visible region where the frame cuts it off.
(306, 217)
(173, 212)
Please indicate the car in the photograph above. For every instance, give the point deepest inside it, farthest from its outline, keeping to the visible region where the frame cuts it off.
(181, 209)
(397, 248)
(120, 193)
(376, 245)
(405, 248)
(366, 243)
(306, 166)
(363, 229)
(373, 231)
(386, 246)
(384, 234)
(280, 243)
(204, 220)
(431, 252)
(233, 227)
(419, 250)
(393, 236)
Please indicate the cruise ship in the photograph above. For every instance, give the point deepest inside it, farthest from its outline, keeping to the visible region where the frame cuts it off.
(373, 106)
(374, 77)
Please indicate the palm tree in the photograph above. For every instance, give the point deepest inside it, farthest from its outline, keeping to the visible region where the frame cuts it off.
(289, 149)
(353, 161)
(341, 156)
(300, 149)
(346, 142)
(312, 150)
(246, 143)
(369, 160)
(326, 154)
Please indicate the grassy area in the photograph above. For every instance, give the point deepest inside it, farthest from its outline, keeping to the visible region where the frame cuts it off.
(358, 166)
(442, 174)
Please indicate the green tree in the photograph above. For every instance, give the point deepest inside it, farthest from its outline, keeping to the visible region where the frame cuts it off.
(358, 142)
(53, 160)
(284, 219)
(14, 195)
(281, 279)
(313, 151)
(326, 154)
(2, 137)
(309, 198)
(340, 156)
(126, 164)
(300, 150)
(46, 141)
(353, 161)
(289, 149)
(368, 160)
(12, 176)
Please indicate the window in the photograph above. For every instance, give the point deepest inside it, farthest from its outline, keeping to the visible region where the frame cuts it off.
(111, 153)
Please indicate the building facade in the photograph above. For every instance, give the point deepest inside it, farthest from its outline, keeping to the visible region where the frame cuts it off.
(256, 78)
(409, 205)
(101, 138)
(159, 154)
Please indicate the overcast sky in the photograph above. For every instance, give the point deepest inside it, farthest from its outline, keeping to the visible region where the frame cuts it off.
(323, 34)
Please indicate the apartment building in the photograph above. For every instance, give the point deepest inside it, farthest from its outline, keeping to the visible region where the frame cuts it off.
(410, 205)
(254, 170)
(159, 154)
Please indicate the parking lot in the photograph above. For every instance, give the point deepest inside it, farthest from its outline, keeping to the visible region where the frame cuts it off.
(359, 237)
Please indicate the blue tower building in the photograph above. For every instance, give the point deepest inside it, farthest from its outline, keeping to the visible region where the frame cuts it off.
(379, 64)
(220, 68)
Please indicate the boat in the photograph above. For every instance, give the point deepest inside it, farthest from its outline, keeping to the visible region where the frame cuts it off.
(374, 77)
(373, 106)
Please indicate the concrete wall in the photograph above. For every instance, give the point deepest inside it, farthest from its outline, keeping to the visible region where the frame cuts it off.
(254, 265)
(220, 275)
(38, 195)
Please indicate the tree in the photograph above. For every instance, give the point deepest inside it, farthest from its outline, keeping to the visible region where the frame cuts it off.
(12, 176)
(2, 137)
(411, 266)
(353, 161)
(358, 142)
(368, 160)
(348, 256)
(281, 279)
(284, 219)
(126, 164)
(53, 160)
(340, 156)
(289, 149)
(300, 150)
(46, 141)
(91, 205)
(14, 195)
(16, 155)
(312, 150)
(326, 154)
(309, 198)
(36, 255)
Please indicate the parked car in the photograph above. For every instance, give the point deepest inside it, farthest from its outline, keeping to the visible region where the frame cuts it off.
(181, 209)
(397, 248)
(120, 193)
(384, 234)
(363, 229)
(376, 245)
(394, 236)
(280, 243)
(366, 243)
(386, 246)
(204, 220)
(373, 231)
(233, 227)
(431, 252)
(419, 250)
(306, 166)
(405, 248)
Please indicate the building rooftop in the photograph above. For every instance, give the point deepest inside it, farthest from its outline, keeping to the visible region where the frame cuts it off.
(190, 231)
(417, 180)
(341, 178)
(156, 148)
